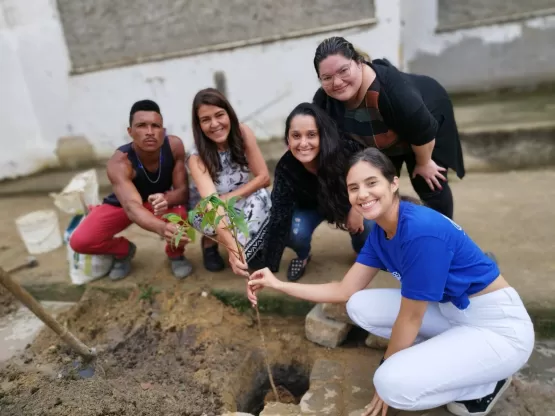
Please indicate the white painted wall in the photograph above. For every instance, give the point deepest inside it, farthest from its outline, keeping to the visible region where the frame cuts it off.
(33, 84)
(45, 103)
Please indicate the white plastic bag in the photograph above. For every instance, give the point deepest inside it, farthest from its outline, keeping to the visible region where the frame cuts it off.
(81, 192)
(84, 268)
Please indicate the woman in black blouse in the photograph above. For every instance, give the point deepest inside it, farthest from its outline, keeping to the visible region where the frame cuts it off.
(307, 177)
(408, 117)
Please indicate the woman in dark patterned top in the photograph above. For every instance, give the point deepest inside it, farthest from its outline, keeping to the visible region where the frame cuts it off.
(309, 175)
(408, 117)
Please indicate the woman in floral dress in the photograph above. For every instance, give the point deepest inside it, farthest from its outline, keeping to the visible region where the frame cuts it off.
(226, 160)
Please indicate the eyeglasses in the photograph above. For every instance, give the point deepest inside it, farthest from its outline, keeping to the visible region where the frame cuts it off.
(343, 74)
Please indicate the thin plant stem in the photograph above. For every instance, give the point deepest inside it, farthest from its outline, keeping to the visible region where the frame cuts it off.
(263, 341)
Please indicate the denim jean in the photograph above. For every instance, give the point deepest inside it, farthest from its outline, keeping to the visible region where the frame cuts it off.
(305, 222)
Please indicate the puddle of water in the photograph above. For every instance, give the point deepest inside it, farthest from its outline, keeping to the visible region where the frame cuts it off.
(77, 370)
(21, 327)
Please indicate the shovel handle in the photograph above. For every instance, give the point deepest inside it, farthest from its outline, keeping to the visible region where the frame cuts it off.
(30, 302)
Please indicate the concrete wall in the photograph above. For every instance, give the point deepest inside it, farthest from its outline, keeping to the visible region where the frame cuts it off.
(480, 45)
(104, 33)
(47, 104)
(469, 13)
(33, 85)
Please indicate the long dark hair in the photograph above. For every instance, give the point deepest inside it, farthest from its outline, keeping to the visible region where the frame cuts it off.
(336, 45)
(206, 148)
(380, 161)
(333, 201)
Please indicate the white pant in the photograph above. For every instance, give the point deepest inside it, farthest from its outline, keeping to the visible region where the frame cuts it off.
(458, 355)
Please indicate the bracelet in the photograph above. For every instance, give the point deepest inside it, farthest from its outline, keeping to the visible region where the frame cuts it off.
(382, 360)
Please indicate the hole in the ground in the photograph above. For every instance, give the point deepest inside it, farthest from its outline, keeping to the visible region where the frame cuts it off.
(292, 382)
(355, 338)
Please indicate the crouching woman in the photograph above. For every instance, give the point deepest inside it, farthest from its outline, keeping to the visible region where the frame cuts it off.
(457, 330)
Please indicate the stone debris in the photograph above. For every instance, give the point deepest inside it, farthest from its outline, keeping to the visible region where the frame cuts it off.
(281, 409)
(326, 399)
(237, 414)
(376, 342)
(324, 331)
(324, 371)
(337, 312)
(328, 324)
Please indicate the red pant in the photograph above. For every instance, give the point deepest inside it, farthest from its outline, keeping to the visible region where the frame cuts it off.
(95, 233)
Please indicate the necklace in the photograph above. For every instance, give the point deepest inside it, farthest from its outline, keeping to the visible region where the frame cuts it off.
(146, 173)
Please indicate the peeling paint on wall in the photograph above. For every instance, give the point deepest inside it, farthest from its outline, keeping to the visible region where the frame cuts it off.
(469, 12)
(479, 58)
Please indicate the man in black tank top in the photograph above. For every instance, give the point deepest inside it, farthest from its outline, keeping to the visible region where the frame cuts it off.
(149, 180)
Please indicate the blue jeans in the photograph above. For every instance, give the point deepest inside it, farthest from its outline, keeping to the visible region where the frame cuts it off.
(305, 222)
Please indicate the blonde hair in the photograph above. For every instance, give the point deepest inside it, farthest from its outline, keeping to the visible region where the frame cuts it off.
(363, 54)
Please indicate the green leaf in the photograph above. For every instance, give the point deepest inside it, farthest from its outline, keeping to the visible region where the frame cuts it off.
(216, 201)
(201, 206)
(191, 234)
(232, 201)
(208, 219)
(178, 237)
(235, 214)
(218, 219)
(191, 216)
(173, 218)
(241, 225)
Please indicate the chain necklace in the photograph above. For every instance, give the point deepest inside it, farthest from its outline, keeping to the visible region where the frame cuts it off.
(146, 173)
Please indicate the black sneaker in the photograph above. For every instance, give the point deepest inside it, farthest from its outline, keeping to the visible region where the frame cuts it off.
(212, 260)
(480, 407)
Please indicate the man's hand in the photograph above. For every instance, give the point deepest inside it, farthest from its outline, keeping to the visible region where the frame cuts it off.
(159, 204)
(169, 232)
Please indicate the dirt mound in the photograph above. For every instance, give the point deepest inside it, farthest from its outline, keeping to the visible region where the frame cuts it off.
(159, 354)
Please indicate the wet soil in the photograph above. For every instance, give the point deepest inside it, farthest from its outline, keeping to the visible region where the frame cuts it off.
(171, 353)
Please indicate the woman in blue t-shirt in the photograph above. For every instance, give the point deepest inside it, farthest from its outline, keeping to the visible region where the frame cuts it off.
(457, 331)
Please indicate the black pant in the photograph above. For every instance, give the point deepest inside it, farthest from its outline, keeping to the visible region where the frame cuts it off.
(440, 200)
